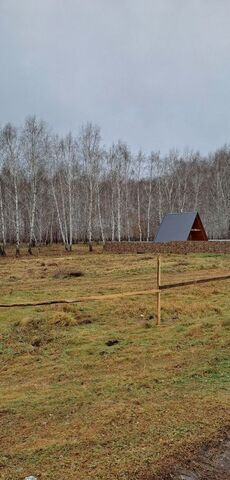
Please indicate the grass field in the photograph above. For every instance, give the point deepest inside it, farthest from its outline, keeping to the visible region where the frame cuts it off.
(97, 391)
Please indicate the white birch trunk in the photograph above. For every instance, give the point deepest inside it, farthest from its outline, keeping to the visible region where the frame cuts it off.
(112, 218)
(159, 202)
(70, 212)
(64, 216)
(99, 215)
(127, 211)
(118, 211)
(149, 209)
(31, 237)
(51, 230)
(59, 216)
(17, 227)
(90, 213)
(139, 213)
(3, 252)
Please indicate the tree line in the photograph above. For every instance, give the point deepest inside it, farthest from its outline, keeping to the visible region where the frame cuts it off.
(72, 188)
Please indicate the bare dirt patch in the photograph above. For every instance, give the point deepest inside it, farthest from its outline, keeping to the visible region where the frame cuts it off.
(63, 275)
(211, 462)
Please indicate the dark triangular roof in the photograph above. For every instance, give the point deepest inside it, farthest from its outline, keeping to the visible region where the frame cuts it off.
(177, 227)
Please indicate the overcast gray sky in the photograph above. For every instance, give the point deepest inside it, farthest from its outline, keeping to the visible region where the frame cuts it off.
(155, 73)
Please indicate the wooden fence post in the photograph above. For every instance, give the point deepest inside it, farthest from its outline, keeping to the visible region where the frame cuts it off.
(158, 288)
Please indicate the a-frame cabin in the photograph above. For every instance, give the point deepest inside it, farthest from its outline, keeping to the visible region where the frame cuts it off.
(177, 227)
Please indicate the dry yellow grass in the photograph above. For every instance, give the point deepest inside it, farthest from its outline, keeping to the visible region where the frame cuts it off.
(71, 406)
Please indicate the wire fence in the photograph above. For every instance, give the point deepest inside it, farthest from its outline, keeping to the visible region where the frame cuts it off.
(171, 280)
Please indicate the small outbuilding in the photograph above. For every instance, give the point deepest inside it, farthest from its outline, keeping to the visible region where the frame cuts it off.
(179, 227)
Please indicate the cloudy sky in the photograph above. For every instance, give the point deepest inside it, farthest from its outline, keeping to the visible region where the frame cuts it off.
(155, 73)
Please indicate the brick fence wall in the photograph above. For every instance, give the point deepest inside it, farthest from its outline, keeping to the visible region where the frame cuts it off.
(171, 247)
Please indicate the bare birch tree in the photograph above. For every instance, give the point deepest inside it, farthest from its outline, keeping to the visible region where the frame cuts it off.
(112, 188)
(152, 160)
(69, 159)
(91, 154)
(33, 145)
(2, 218)
(11, 153)
(139, 167)
(64, 169)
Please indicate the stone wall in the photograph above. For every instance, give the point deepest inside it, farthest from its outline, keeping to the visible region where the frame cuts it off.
(170, 247)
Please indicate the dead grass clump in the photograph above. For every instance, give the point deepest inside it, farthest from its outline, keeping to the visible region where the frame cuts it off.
(27, 324)
(68, 308)
(37, 332)
(70, 318)
(40, 330)
(30, 331)
(63, 319)
(195, 332)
